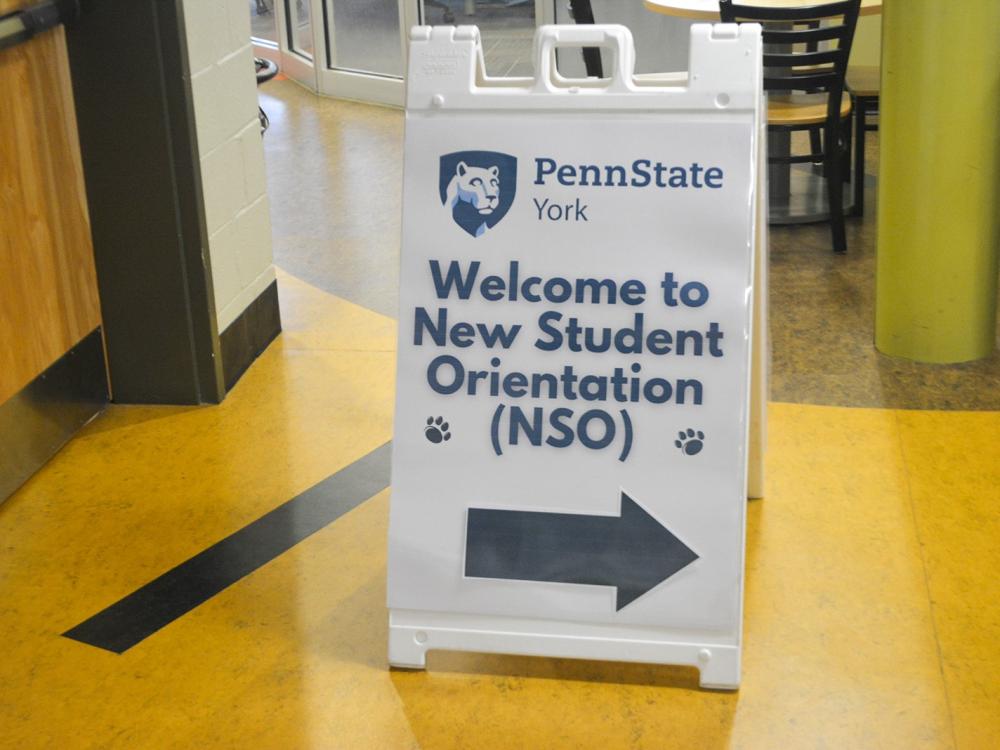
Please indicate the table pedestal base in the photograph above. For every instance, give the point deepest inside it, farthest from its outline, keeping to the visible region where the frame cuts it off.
(805, 201)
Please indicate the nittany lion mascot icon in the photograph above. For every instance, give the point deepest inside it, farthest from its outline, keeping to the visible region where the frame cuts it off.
(477, 188)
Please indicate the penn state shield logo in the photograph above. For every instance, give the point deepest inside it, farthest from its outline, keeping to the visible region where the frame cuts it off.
(477, 188)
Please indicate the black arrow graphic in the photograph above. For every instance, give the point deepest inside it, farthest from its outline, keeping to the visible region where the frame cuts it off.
(632, 551)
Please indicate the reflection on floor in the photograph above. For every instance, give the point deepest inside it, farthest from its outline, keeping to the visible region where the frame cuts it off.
(336, 215)
(873, 604)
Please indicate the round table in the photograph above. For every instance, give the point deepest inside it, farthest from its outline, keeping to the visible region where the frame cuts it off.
(797, 196)
(708, 10)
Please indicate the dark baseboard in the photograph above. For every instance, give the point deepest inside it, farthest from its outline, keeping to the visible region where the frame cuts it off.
(37, 421)
(248, 336)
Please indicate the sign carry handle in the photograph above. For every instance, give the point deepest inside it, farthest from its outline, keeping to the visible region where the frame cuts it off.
(616, 39)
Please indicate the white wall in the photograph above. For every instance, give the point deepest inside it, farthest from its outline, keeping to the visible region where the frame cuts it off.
(231, 152)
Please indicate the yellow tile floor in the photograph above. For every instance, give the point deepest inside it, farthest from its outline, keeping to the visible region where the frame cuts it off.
(872, 609)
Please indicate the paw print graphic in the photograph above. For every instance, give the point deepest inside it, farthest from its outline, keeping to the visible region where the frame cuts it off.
(436, 430)
(690, 442)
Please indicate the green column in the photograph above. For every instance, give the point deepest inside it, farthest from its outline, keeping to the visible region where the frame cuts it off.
(939, 180)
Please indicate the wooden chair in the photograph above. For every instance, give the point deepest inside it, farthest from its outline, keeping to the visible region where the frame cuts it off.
(864, 84)
(793, 64)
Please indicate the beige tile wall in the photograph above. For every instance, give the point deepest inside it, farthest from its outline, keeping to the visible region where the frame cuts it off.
(232, 158)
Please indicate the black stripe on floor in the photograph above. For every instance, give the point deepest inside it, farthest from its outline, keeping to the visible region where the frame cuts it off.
(175, 593)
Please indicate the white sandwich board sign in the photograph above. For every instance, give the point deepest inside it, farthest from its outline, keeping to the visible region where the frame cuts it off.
(570, 451)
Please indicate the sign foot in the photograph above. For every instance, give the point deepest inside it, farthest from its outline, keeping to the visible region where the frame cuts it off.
(719, 670)
(407, 649)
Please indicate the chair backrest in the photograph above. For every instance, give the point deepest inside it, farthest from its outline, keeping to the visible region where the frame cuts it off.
(792, 61)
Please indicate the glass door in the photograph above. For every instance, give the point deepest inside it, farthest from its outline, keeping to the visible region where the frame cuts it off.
(366, 40)
(365, 47)
(263, 23)
(283, 31)
(356, 49)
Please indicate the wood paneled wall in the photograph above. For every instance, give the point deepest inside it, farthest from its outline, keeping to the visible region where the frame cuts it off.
(48, 286)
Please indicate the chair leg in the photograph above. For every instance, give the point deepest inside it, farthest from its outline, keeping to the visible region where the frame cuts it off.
(815, 142)
(859, 158)
(583, 13)
(846, 128)
(835, 185)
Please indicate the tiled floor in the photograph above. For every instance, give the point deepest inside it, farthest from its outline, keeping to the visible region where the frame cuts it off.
(872, 600)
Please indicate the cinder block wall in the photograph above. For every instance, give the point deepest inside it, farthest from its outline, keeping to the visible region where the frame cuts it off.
(223, 83)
